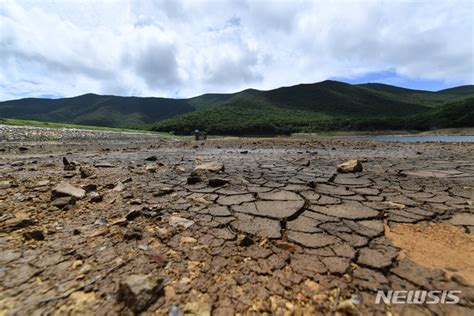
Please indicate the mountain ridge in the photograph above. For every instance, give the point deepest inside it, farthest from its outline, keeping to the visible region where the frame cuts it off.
(327, 99)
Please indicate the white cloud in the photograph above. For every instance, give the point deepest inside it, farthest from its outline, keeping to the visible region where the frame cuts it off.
(185, 48)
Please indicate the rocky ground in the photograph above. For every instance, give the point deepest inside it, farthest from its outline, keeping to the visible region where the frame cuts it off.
(132, 223)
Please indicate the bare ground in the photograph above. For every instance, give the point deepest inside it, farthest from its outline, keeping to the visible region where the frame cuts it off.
(278, 231)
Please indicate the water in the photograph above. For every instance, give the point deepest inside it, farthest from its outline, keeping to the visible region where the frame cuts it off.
(422, 139)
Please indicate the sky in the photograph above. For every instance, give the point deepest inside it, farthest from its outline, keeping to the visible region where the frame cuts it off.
(179, 49)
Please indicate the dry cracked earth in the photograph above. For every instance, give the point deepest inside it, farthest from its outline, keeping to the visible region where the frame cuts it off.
(126, 224)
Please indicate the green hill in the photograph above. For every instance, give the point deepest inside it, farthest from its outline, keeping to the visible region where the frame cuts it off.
(427, 98)
(456, 114)
(261, 118)
(339, 99)
(306, 107)
(97, 110)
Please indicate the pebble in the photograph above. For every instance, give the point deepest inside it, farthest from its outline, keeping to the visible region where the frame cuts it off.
(140, 291)
(66, 189)
(180, 221)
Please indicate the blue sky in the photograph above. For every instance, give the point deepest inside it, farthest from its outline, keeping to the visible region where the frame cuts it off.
(183, 48)
(390, 77)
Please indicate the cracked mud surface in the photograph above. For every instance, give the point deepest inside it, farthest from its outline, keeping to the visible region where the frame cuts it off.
(278, 231)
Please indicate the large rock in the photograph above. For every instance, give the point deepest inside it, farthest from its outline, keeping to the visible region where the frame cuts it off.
(212, 166)
(350, 166)
(140, 291)
(66, 189)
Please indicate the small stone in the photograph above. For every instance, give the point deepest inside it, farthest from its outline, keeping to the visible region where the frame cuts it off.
(244, 240)
(140, 291)
(187, 240)
(64, 201)
(67, 165)
(217, 182)
(133, 214)
(150, 168)
(66, 189)
(122, 221)
(42, 183)
(20, 223)
(119, 187)
(347, 307)
(136, 202)
(134, 233)
(34, 234)
(193, 180)
(89, 187)
(100, 222)
(5, 184)
(180, 221)
(127, 195)
(98, 232)
(86, 172)
(17, 163)
(212, 166)
(350, 166)
(103, 165)
(96, 197)
(201, 308)
(163, 191)
(174, 311)
(85, 269)
(151, 158)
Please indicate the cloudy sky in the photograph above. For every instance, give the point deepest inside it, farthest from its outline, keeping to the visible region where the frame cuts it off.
(184, 48)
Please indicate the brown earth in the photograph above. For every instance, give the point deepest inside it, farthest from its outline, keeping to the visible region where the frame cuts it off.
(274, 230)
(436, 246)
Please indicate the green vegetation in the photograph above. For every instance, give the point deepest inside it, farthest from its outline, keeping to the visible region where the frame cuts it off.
(267, 120)
(241, 120)
(96, 110)
(426, 98)
(324, 106)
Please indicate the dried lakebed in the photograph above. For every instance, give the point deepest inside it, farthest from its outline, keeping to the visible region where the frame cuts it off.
(128, 226)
